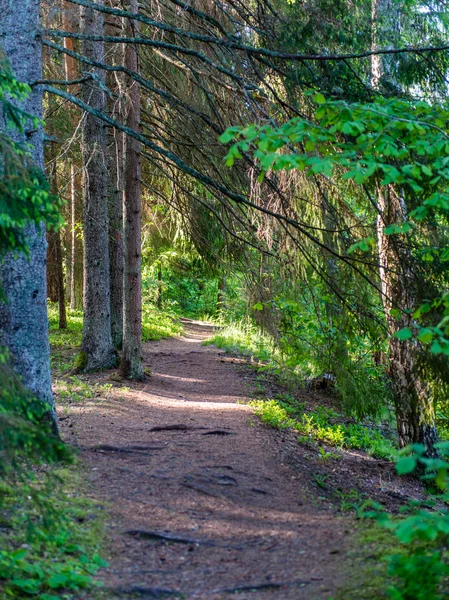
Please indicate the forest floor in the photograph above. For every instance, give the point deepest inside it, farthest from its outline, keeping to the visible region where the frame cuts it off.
(202, 501)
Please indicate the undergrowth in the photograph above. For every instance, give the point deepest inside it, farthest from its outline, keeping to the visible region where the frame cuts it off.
(322, 425)
(50, 536)
(65, 343)
(49, 532)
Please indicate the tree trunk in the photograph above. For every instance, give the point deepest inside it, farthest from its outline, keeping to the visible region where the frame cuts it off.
(54, 253)
(52, 266)
(132, 366)
(116, 175)
(116, 246)
(415, 415)
(97, 347)
(23, 315)
(159, 286)
(76, 245)
(75, 271)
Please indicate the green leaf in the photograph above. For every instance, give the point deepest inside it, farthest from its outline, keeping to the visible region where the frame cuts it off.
(406, 465)
(258, 306)
(319, 99)
(425, 335)
(58, 580)
(403, 334)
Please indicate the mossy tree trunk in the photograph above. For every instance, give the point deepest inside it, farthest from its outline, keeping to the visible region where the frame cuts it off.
(23, 279)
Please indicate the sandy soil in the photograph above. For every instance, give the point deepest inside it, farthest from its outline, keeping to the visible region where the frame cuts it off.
(201, 501)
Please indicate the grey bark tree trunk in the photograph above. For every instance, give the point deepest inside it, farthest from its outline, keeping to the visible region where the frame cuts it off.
(97, 348)
(23, 315)
(132, 365)
(415, 415)
(116, 245)
(116, 185)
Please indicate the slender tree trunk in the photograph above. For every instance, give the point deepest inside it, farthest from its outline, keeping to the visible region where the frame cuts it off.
(221, 294)
(415, 415)
(23, 314)
(159, 286)
(116, 245)
(54, 254)
(52, 266)
(76, 246)
(116, 185)
(132, 365)
(68, 239)
(97, 347)
(75, 272)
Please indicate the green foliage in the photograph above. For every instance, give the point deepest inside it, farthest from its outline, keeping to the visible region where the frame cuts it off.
(421, 570)
(399, 142)
(49, 537)
(24, 191)
(48, 547)
(158, 324)
(25, 426)
(324, 425)
(246, 338)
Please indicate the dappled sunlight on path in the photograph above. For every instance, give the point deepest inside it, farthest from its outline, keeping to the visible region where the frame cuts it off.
(200, 502)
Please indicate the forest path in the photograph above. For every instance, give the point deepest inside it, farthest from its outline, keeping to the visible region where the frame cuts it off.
(200, 505)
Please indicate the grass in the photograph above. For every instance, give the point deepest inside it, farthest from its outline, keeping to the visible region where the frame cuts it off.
(65, 343)
(322, 425)
(245, 338)
(318, 425)
(158, 324)
(50, 536)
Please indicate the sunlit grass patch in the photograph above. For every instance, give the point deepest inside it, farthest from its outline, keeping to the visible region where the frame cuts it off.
(158, 324)
(244, 338)
(322, 425)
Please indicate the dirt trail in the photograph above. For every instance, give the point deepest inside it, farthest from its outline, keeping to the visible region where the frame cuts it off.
(201, 505)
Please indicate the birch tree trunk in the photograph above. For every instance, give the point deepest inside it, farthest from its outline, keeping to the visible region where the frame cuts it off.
(97, 349)
(415, 415)
(23, 314)
(132, 366)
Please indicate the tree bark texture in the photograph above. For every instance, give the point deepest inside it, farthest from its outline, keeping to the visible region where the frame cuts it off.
(23, 315)
(415, 415)
(132, 366)
(75, 271)
(76, 242)
(116, 185)
(97, 347)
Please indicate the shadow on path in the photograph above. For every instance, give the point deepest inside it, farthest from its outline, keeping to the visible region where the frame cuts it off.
(200, 504)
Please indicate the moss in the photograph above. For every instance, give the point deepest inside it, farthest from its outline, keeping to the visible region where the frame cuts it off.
(80, 361)
(366, 576)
